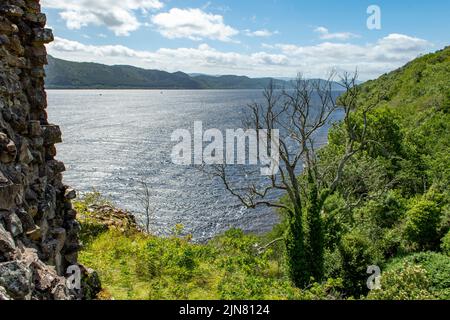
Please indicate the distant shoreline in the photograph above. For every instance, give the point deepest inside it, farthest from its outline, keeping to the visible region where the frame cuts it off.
(162, 89)
(152, 89)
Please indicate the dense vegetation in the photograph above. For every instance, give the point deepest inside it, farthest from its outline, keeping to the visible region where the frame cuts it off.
(391, 209)
(135, 265)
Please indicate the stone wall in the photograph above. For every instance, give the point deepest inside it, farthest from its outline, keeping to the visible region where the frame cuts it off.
(38, 230)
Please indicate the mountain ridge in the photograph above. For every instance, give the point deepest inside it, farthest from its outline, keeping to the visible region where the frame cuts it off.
(63, 74)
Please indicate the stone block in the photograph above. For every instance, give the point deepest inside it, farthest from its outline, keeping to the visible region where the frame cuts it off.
(42, 36)
(11, 11)
(51, 134)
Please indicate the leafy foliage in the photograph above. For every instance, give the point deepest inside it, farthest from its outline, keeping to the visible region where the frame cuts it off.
(421, 224)
(427, 271)
(446, 244)
(410, 282)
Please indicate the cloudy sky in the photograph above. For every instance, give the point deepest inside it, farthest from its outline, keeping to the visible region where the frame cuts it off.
(277, 38)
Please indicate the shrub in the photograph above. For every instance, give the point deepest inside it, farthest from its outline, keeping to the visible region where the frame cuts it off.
(421, 225)
(437, 267)
(329, 290)
(410, 282)
(445, 246)
(356, 256)
(387, 211)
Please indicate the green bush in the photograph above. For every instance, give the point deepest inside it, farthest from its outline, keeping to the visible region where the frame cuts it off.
(387, 211)
(356, 256)
(410, 282)
(437, 267)
(422, 223)
(445, 246)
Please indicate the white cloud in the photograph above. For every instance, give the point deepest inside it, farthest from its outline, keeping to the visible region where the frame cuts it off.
(267, 46)
(203, 58)
(270, 59)
(194, 24)
(81, 52)
(326, 35)
(117, 15)
(371, 60)
(260, 33)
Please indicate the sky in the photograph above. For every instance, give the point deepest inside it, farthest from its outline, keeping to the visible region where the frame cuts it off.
(256, 38)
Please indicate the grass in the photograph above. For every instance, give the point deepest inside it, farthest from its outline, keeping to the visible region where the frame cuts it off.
(134, 265)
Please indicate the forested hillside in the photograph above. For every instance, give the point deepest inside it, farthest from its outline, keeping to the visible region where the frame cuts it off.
(392, 207)
(63, 74)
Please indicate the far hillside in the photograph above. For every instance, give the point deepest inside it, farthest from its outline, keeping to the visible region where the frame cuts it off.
(63, 74)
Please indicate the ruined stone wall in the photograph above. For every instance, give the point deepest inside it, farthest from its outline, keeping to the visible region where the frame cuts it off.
(38, 230)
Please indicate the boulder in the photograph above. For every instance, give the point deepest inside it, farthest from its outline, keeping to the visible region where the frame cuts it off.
(17, 279)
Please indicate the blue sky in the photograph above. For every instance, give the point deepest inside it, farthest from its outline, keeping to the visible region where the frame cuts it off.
(248, 37)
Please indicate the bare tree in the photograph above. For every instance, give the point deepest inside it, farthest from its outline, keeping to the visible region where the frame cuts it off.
(144, 199)
(299, 114)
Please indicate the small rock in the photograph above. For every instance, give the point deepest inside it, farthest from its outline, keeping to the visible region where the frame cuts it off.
(56, 166)
(7, 244)
(25, 154)
(11, 147)
(71, 214)
(3, 138)
(14, 224)
(35, 128)
(4, 180)
(33, 210)
(4, 40)
(27, 220)
(35, 235)
(8, 195)
(43, 279)
(70, 194)
(61, 292)
(4, 295)
(38, 18)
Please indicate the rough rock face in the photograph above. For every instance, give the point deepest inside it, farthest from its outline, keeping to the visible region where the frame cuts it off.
(38, 230)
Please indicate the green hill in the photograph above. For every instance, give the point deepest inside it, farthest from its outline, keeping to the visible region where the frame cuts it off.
(393, 206)
(420, 85)
(236, 82)
(66, 74)
(63, 74)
